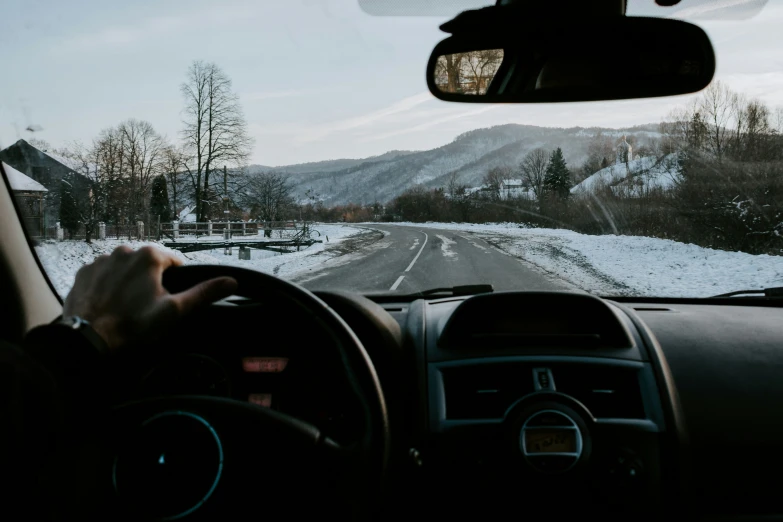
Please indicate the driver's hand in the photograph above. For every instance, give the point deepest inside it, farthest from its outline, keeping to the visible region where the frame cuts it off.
(122, 295)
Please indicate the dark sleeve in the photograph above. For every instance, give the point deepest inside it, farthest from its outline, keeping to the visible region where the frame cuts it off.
(43, 399)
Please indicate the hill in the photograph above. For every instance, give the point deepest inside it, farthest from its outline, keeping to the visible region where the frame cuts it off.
(469, 156)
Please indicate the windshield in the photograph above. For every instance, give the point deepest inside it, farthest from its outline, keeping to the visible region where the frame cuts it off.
(299, 139)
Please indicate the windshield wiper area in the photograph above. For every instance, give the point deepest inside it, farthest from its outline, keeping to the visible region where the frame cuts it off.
(766, 292)
(452, 291)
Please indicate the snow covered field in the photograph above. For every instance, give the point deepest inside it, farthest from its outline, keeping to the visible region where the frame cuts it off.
(629, 265)
(62, 260)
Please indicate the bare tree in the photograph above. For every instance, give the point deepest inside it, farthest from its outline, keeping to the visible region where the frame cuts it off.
(718, 105)
(467, 73)
(174, 161)
(142, 160)
(447, 72)
(268, 196)
(533, 169)
(40, 144)
(215, 132)
(89, 165)
(481, 67)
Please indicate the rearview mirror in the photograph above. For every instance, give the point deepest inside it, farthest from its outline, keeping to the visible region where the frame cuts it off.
(605, 59)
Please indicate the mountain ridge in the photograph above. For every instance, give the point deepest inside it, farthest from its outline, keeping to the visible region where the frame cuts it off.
(470, 155)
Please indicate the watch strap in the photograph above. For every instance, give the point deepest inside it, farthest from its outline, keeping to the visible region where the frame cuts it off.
(77, 324)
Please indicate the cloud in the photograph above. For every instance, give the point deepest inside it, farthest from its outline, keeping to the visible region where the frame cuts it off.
(318, 132)
(721, 9)
(432, 123)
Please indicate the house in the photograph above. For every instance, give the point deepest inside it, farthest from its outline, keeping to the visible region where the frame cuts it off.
(515, 189)
(187, 214)
(29, 196)
(48, 169)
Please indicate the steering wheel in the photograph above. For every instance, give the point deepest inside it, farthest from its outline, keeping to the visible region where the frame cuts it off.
(201, 457)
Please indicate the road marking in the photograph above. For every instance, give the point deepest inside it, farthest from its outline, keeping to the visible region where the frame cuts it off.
(415, 244)
(397, 283)
(426, 237)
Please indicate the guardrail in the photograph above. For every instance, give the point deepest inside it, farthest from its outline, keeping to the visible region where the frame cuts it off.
(231, 229)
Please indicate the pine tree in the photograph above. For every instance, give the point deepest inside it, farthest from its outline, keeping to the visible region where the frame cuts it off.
(159, 201)
(70, 217)
(557, 179)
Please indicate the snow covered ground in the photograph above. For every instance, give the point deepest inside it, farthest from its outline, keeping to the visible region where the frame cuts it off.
(62, 260)
(629, 265)
(632, 179)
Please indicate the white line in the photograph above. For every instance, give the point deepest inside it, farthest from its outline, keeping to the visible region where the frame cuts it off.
(426, 237)
(397, 283)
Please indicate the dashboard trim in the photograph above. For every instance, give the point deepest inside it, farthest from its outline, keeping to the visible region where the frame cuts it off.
(439, 423)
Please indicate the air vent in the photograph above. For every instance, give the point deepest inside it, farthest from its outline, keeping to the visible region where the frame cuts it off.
(485, 391)
(651, 309)
(608, 392)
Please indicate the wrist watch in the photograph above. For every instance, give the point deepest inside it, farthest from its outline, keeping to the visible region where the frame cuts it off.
(77, 324)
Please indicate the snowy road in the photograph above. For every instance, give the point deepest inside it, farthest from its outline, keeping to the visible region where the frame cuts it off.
(409, 257)
(413, 258)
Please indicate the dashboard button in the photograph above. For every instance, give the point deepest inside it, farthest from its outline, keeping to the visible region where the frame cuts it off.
(542, 379)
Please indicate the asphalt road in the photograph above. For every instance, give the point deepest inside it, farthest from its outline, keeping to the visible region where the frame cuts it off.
(410, 259)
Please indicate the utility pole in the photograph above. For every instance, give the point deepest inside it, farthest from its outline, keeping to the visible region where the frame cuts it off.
(227, 234)
(225, 192)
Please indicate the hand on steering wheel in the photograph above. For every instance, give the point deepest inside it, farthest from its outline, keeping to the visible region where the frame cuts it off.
(191, 457)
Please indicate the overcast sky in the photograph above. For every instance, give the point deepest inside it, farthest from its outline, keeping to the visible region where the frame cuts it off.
(318, 79)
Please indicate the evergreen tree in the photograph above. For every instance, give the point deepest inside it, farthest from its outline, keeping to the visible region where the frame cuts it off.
(159, 201)
(557, 180)
(70, 217)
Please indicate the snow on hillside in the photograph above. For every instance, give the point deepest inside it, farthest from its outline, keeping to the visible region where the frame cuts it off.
(469, 156)
(62, 259)
(629, 265)
(648, 172)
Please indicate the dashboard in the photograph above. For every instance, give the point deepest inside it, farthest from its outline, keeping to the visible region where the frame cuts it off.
(526, 402)
(565, 404)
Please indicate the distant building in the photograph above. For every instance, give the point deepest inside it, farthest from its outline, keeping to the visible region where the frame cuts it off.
(514, 189)
(187, 214)
(49, 170)
(29, 195)
(624, 151)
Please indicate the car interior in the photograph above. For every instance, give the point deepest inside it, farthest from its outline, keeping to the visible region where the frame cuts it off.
(456, 404)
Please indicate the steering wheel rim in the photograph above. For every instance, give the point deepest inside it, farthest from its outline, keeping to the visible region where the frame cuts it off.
(371, 453)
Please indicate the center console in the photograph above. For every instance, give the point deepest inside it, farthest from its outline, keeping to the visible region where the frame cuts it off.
(571, 415)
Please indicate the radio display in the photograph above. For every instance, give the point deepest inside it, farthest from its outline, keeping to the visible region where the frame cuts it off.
(264, 364)
(550, 441)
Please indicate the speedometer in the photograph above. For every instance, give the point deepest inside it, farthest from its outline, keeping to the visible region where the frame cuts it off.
(191, 374)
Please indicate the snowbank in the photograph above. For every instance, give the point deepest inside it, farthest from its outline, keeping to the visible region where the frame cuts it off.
(62, 260)
(632, 265)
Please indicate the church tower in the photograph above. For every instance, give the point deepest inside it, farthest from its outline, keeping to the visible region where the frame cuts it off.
(624, 151)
